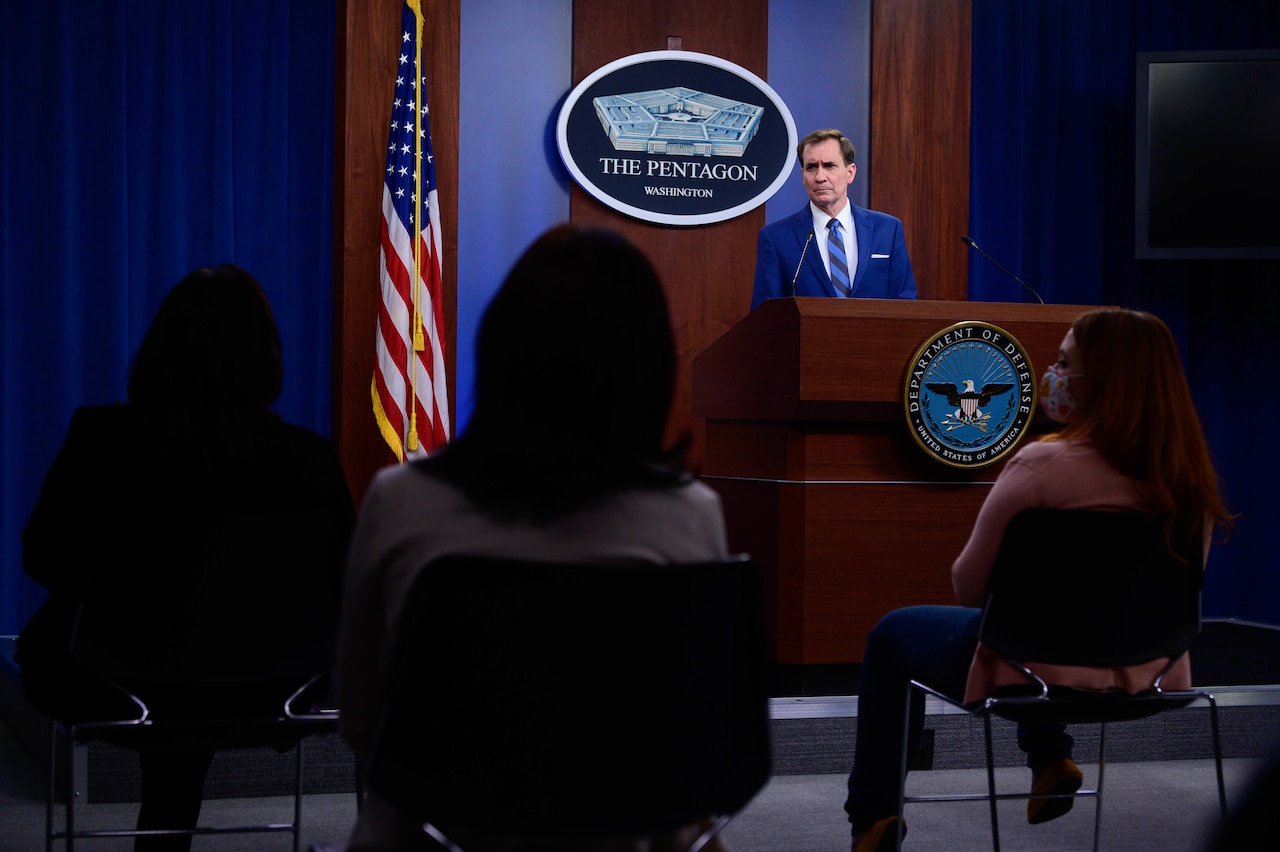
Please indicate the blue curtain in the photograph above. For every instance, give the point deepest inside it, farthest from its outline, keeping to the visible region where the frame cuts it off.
(142, 139)
(1052, 196)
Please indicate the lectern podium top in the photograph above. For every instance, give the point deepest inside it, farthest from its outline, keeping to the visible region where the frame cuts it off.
(804, 359)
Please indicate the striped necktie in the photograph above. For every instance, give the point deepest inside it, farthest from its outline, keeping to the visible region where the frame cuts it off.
(839, 264)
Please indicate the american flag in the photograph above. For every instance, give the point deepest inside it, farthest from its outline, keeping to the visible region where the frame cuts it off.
(410, 397)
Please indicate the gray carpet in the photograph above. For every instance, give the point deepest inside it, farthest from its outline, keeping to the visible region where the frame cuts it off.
(1160, 786)
(1166, 806)
(1156, 805)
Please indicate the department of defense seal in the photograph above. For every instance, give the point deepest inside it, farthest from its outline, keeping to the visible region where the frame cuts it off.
(969, 394)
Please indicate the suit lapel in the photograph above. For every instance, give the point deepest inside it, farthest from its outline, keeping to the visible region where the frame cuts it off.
(862, 227)
(813, 260)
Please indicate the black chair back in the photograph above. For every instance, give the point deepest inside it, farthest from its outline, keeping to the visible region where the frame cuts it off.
(1091, 588)
(530, 698)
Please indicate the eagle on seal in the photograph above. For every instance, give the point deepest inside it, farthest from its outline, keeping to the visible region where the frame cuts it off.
(970, 401)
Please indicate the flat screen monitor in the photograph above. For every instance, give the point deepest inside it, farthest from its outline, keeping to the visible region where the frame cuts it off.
(1208, 154)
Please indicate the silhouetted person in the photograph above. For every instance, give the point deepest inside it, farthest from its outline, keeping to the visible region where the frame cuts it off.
(564, 459)
(196, 435)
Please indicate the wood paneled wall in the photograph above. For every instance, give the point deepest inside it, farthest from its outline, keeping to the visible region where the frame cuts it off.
(919, 142)
(706, 270)
(920, 68)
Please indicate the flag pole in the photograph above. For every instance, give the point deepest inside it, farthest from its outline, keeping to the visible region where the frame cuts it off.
(415, 277)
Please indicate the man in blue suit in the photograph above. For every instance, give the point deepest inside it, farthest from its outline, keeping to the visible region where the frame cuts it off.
(831, 247)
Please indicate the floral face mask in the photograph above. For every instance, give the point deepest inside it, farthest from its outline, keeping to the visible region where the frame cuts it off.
(1055, 393)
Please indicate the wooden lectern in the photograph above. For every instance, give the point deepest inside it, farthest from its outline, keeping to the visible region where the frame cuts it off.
(808, 445)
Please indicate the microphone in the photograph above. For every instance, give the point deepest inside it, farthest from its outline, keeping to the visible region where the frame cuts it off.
(796, 277)
(971, 244)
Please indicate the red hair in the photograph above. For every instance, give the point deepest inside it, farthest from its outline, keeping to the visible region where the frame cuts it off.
(1134, 405)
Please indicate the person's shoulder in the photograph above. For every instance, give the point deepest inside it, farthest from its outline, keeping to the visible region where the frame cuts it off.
(415, 477)
(113, 424)
(117, 414)
(298, 449)
(1042, 454)
(696, 491)
(870, 215)
(693, 496)
(300, 437)
(702, 516)
(701, 492)
(801, 218)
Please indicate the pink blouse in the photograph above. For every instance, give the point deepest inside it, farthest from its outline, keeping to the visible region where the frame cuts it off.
(1056, 475)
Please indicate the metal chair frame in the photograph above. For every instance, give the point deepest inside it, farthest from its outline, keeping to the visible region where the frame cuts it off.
(162, 587)
(1176, 613)
(309, 723)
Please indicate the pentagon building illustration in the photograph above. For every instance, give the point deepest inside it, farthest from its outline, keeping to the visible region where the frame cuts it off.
(678, 121)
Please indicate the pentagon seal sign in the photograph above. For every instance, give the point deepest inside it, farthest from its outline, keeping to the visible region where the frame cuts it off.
(969, 394)
(676, 137)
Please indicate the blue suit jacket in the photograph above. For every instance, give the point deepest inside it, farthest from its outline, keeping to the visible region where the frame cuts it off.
(884, 269)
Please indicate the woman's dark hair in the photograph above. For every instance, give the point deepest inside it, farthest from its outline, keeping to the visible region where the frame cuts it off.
(575, 371)
(1134, 405)
(208, 368)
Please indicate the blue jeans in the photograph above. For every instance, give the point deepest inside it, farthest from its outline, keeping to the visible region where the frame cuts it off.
(934, 645)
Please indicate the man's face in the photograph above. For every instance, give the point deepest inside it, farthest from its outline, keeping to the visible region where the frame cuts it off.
(826, 175)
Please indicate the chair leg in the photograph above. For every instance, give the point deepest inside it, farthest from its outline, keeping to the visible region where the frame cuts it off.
(717, 825)
(53, 787)
(72, 792)
(991, 784)
(902, 771)
(359, 785)
(440, 837)
(297, 798)
(1102, 770)
(1217, 756)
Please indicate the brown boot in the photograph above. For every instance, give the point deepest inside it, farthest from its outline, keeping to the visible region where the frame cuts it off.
(880, 837)
(1058, 778)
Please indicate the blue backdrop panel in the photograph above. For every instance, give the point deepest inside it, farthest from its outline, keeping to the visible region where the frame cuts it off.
(1052, 196)
(516, 69)
(826, 86)
(144, 138)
